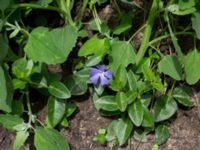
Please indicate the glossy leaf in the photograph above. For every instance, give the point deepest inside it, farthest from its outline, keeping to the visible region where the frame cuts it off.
(10, 121)
(164, 108)
(123, 129)
(70, 109)
(56, 110)
(49, 139)
(148, 120)
(125, 23)
(183, 95)
(94, 46)
(22, 68)
(132, 80)
(135, 112)
(6, 89)
(107, 103)
(120, 79)
(76, 85)
(51, 47)
(192, 62)
(171, 66)
(122, 54)
(162, 134)
(20, 140)
(122, 101)
(59, 90)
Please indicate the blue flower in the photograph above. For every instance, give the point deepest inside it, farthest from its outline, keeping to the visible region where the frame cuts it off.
(101, 74)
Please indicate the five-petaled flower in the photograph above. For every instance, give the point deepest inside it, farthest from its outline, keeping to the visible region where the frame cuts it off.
(100, 73)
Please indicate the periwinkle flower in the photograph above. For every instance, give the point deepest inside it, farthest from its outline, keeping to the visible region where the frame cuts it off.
(100, 73)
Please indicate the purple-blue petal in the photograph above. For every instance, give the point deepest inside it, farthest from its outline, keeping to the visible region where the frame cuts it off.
(94, 71)
(94, 79)
(104, 80)
(101, 68)
(108, 74)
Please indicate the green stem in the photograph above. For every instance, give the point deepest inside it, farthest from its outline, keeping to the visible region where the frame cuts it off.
(168, 35)
(36, 6)
(141, 28)
(147, 33)
(28, 103)
(174, 40)
(85, 2)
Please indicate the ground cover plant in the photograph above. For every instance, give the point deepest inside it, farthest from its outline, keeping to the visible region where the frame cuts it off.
(141, 86)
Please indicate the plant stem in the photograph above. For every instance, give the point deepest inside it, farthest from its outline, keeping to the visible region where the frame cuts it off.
(28, 102)
(85, 2)
(36, 6)
(174, 40)
(148, 28)
(142, 27)
(168, 35)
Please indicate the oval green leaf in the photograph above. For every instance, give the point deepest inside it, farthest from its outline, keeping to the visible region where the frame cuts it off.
(135, 112)
(49, 139)
(56, 110)
(59, 90)
(164, 108)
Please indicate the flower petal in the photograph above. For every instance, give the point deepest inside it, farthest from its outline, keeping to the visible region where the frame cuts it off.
(104, 80)
(94, 79)
(101, 68)
(94, 71)
(108, 74)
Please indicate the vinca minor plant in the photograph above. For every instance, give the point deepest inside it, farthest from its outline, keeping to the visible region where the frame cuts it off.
(142, 88)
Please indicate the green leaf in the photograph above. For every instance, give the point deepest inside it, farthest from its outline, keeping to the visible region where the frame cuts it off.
(22, 68)
(192, 62)
(135, 112)
(4, 4)
(3, 47)
(70, 109)
(18, 84)
(49, 139)
(93, 60)
(76, 85)
(120, 79)
(122, 53)
(94, 46)
(20, 140)
(122, 101)
(107, 103)
(150, 76)
(148, 120)
(164, 108)
(176, 10)
(110, 136)
(132, 80)
(17, 107)
(10, 121)
(162, 134)
(155, 147)
(6, 89)
(125, 23)
(171, 66)
(123, 129)
(196, 22)
(51, 47)
(59, 90)
(186, 4)
(183, 95)
(56, 110)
